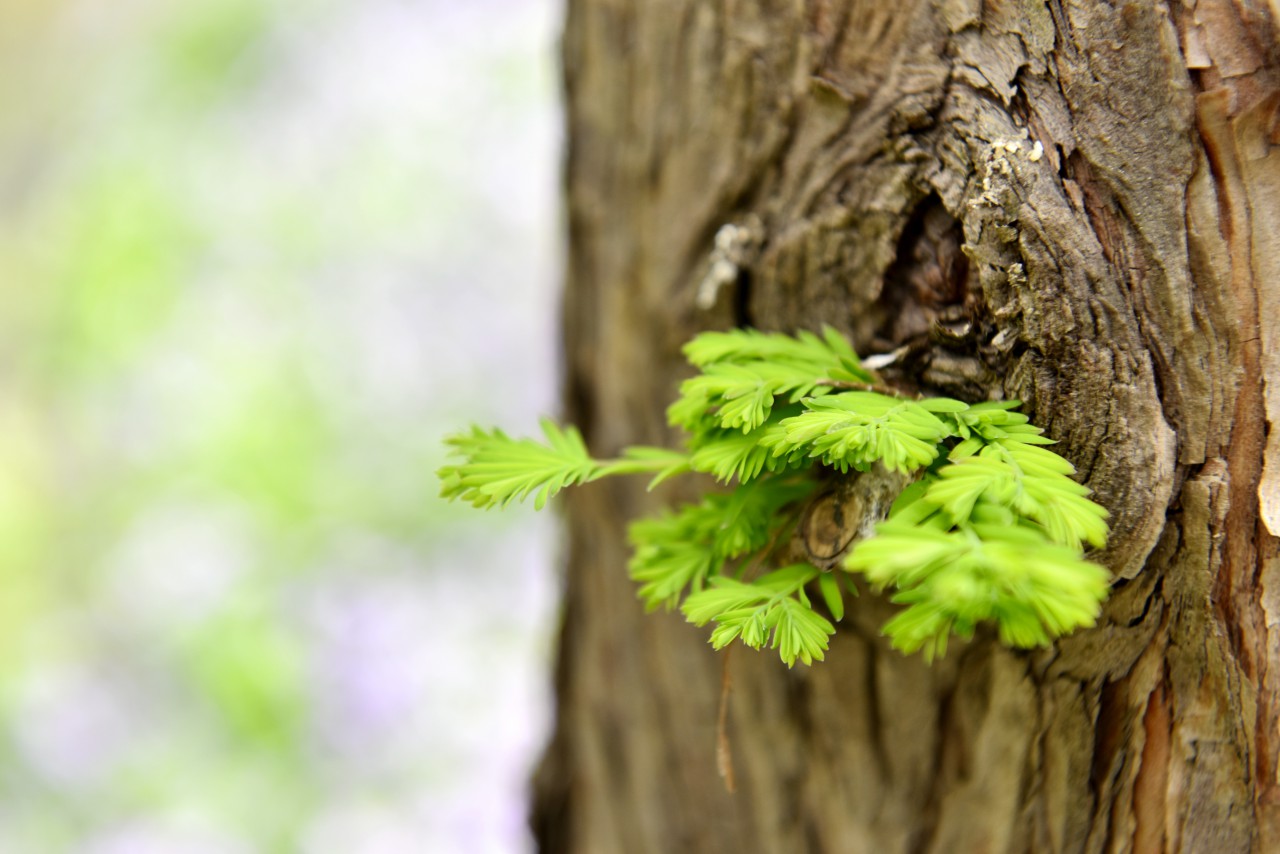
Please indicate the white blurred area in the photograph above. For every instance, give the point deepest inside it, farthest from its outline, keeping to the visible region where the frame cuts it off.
(259, 256)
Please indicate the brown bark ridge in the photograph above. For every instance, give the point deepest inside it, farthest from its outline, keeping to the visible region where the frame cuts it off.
(1071, 202)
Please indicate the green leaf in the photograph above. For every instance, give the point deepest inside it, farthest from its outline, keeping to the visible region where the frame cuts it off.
(741, 396)
(1028, 479)
(1033, 589)
(495, 469)
(967, 448)
(679, 551)
(981, 418)
(691, 412)
(910, 507)
(745, 372)
(858, 428)
(924, 626)
(720, 600)
(902, 554)
(943, 404)
(799, 632)
(831, 352)
(958, 486)
(664, 567)
(730, 455)
(991, 532)
(831, 595)
(770, 609)
(751, 516)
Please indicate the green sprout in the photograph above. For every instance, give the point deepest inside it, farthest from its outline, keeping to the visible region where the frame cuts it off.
(990, 527)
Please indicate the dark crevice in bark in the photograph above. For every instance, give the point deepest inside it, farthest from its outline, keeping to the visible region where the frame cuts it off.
(813, 836)
(1156, 592)
(921, 838)
(742, 299)
(874, 702)
(928, 277)
(1112, 716)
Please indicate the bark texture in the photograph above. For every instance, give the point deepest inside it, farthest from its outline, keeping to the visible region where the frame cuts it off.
(1071, 202)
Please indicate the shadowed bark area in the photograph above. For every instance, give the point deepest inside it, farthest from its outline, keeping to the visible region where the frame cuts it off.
(1072, 203)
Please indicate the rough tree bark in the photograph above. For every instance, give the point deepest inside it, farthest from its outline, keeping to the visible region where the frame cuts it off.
(1071, 202)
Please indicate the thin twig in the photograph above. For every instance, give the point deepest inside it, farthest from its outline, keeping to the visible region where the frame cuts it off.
(724, 756)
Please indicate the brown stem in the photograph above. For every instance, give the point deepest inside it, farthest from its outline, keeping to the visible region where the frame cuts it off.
(724, 756)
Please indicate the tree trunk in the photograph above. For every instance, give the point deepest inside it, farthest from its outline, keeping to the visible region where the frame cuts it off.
(1073, 202)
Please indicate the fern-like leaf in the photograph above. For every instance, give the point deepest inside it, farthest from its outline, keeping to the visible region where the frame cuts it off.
(730, 454)
(857, 428)
(743, 373)
(1033, 589)
(1034, 482)
(772, 609)
(678, 551)
(492, 469)
(495, 469)
(831, 355)
(671, 554)
(993, 532)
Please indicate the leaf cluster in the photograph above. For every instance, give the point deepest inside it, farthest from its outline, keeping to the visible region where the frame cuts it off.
(678, 551)
(773, 609)
(995, 535)
(492, 469)
(992, 530)
(743, 373)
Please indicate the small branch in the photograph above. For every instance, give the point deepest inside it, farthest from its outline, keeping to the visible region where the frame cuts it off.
(724, 756)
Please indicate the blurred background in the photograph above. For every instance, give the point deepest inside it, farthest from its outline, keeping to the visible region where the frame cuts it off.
(256, 257)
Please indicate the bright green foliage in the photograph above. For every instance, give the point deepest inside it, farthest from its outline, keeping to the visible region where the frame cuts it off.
(993, 535)
(854, 429)
(772, 609)
(743, 371)
(497, 469)
(1032, 481)
(1033, 589)
(993, 529)
(678, 551)
(734, 455)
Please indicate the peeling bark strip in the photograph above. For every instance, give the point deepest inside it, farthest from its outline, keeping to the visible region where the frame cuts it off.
(1072, 203)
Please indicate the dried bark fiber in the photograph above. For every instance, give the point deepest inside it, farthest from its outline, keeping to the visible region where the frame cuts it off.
(1072, 203)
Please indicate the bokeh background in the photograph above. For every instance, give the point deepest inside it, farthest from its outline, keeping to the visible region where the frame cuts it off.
(256, 257)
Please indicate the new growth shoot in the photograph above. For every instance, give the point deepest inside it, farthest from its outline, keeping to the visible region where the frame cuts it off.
(991, 527)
